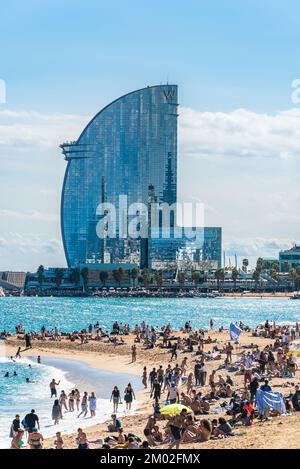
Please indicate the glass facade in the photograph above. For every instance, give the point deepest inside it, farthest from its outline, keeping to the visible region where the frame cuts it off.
(202, 252)
(128, 146)
(128, 149)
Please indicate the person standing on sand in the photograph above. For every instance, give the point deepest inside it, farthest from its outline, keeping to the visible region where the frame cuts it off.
(82, 440)
(84, 405)
(63, 400)
(176, 427)
(77, 398)
(229, 350)
(72, 397)
(133, 353)
(56, 412)
(93, 404)
(58, 442)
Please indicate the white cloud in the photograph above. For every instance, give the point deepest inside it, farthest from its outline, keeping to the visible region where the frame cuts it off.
(257, 246)
(240, 133)
(28, 131)
(29, 215)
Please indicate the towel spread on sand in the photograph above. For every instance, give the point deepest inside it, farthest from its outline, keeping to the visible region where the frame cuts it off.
(270, 400)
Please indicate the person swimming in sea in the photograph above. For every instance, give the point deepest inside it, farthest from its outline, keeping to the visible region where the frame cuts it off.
(29, 380)
(6, 375)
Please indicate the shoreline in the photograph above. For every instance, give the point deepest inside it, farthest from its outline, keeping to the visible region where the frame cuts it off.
(103, 414)
(155, 294)
(261, 435)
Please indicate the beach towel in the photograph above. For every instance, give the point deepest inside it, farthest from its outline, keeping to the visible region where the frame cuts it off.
(270, 400)
(234, 331)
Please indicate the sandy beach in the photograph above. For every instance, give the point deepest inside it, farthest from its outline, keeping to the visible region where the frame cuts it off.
(279, 432)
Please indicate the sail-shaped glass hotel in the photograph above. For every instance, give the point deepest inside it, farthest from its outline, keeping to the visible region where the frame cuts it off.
(127, 148)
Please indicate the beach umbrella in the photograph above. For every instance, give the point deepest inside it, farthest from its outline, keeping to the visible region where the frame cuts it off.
(174, 409)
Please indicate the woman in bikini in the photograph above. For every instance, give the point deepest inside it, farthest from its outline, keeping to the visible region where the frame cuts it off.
(35, 439)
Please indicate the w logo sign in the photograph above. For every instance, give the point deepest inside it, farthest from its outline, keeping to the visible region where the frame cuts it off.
(169, 94)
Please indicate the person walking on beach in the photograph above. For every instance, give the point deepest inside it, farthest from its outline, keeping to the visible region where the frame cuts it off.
(56, 412)
(84, 405)
(53, 385)
(71, 400)
(174, 351)
(116, 398)
(152, 377)
(17, 441)
(77, 398)
(15, 426)
(144, 377)
(93, 404)
(156, 390)
(129, 396)
(173, 394)
(133, 353)
(31, 421)
(63, 400)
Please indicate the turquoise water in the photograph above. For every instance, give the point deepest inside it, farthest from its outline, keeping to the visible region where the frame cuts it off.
(76, 313)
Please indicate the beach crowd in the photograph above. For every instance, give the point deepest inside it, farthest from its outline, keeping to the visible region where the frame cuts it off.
(205, 389)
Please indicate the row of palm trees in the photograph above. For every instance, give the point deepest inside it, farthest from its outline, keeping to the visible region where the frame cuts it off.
(150, 277)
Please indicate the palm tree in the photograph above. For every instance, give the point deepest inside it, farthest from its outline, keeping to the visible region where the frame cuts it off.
(59, 275)
(234, 276)
(133, 275)
(103, 276)
(256, 277)
(158, 277)
(259, 264)
(181, 278)
(294, 275)
(220, 276)
(75, 276)
(85, 275)
(117, 275)
(146, 276)
(40, 273)
(195, 277)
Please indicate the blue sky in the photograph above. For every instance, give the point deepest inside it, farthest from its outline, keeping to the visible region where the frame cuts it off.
(63, 60)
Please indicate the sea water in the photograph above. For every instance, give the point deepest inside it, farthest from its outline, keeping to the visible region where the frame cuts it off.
(76, 313)
(19, 397)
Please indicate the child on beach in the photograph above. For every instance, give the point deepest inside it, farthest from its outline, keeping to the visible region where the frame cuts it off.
(59, 442)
